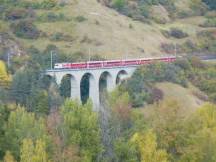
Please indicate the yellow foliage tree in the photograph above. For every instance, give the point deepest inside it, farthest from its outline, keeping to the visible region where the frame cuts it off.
(33, 153)
(9, 157)
(5, 79)
(147, 146)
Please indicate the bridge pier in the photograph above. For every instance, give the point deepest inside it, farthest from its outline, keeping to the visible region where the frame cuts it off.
(75, 88)
(94, 94)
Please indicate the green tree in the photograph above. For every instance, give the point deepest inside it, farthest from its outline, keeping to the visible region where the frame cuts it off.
(4, 114)
(81, 128)
(25, 84)
(65, 87)
(55, 100)
(21, 125)
(119, 128)
(125, 151)
(42, 103)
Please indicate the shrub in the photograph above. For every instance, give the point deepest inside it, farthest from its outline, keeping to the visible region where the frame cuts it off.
(119, 4)
(177, 33)
(144, 10)
(51, 17)
(183, 64)
(197, 63)
(211, 4)
(2, 10)
(157, 95)
(25, 29)
(16, 14)
(80, 18)
(165, 33)
(209, 23)
(56, 37)
(60, 37)
(48, 4)
(190, 46)
(184, 14)
(168, 48)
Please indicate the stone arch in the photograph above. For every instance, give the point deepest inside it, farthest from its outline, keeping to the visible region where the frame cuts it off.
(72, 88)
(88, 87)
(106, 83)
(121, 75)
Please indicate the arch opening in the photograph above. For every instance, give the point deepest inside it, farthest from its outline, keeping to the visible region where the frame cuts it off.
(86, 87)
(105, 85)
(121, 76)
(68, 86)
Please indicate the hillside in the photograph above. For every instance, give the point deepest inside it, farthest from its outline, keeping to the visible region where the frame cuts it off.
(88, 26)
(164, 112)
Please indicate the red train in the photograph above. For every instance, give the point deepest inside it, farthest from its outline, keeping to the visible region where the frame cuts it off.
(112, 63)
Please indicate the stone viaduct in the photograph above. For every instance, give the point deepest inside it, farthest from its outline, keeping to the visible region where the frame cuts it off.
(113, 76)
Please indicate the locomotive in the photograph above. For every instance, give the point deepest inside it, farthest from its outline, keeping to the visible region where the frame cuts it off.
(112, 63)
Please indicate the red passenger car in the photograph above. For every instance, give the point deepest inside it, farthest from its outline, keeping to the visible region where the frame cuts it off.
(112, 63)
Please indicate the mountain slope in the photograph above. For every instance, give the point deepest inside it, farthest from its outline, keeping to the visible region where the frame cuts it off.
(89, 27)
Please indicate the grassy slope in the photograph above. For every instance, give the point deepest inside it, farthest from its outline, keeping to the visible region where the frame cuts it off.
(111, 37)
(185, 97)
(107, 33)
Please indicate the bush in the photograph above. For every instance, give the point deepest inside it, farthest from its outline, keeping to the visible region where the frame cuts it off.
(157, 95)
(197, 63)
(209, 23)
(177, 33)
(16, 14)
(168, 48)
(56, 37)
(189, 46)
(144, 10)
(51, 17)
(80, 18)
(119, 4)
(211, 4)
(183, 64)
(46, 4)
(60, 37)
(25, 29)
(184, 14)
(165, 33)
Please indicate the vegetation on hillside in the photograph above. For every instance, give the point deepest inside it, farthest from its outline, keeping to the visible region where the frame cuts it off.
(25, 23)
(136, 122)
(39, 122)
(141, 86)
